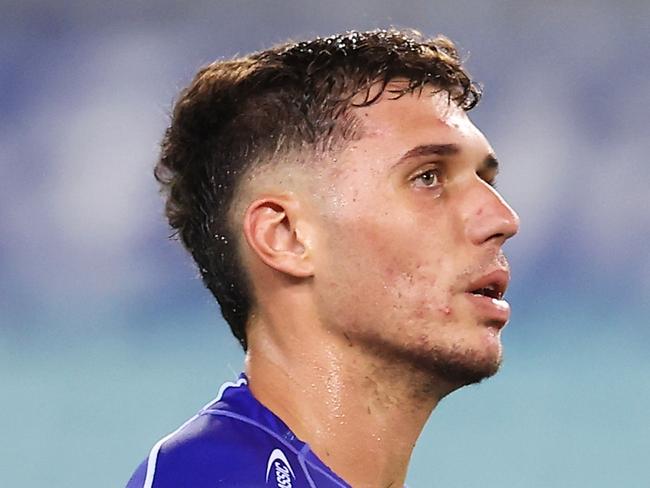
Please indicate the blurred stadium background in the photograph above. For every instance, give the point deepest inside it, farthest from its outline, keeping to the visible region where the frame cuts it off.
(108, 341)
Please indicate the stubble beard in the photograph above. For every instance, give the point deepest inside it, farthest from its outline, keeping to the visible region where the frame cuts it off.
(439, 368)
(460, 367)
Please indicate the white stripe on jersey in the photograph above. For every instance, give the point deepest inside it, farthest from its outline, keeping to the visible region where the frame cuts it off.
(153, 455)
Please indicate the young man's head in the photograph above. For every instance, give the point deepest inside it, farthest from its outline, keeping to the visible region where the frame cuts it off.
(345, 171)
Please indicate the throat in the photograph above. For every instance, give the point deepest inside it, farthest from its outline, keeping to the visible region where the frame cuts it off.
(361, 421)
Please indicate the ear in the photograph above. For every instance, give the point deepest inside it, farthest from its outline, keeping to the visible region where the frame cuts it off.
(274, 231)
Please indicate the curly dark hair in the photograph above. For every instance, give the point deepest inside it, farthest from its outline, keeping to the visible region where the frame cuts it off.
(244, 112)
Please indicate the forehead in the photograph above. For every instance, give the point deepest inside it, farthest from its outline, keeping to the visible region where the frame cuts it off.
(392, 125)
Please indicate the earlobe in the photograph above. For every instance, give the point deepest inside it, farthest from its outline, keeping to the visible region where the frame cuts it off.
(273, 232)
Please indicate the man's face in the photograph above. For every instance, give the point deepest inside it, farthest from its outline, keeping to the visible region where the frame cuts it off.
(409, 263)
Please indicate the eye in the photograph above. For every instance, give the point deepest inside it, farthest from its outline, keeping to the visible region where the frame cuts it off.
(429, 178)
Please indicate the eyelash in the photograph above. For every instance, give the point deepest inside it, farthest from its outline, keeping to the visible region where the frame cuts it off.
(439, 175)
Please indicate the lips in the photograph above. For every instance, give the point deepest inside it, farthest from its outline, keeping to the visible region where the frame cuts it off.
(492, 284)
(486, 293)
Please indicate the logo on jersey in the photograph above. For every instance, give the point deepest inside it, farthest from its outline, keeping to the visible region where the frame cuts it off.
(282, 472)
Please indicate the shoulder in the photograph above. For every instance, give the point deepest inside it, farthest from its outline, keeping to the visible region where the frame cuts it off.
(215, 451)
(232, 441)
(210, 450)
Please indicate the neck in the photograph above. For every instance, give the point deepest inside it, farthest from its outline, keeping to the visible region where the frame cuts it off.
(360, 414)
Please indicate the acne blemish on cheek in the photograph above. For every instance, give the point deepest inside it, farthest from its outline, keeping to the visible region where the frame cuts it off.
(446, 310)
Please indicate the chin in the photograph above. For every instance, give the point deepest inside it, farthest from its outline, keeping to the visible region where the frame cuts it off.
(466, 372)
(442, 372)
(459, 367)
(451, 365)
(469, 361)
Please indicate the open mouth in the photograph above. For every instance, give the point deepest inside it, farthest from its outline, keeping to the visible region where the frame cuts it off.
(486, 293)
(491, 285)
(491, 291)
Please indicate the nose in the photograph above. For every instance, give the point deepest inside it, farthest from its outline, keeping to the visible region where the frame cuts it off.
(489, 217)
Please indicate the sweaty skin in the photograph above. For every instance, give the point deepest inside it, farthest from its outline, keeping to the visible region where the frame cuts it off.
(363, 318)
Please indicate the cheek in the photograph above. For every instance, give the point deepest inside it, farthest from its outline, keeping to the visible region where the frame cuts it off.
(386, 261)
(385, 278)
(419, 291)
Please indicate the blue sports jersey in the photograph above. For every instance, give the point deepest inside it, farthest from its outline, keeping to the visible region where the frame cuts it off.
(234, 441)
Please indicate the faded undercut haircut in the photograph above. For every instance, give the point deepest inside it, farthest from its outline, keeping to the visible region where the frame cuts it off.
(239, 114)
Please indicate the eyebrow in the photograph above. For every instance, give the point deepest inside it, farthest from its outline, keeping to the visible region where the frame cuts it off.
(430, 150)
(490, 163)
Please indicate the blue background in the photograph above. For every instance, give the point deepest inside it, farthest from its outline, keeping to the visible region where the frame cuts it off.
(108, 340)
